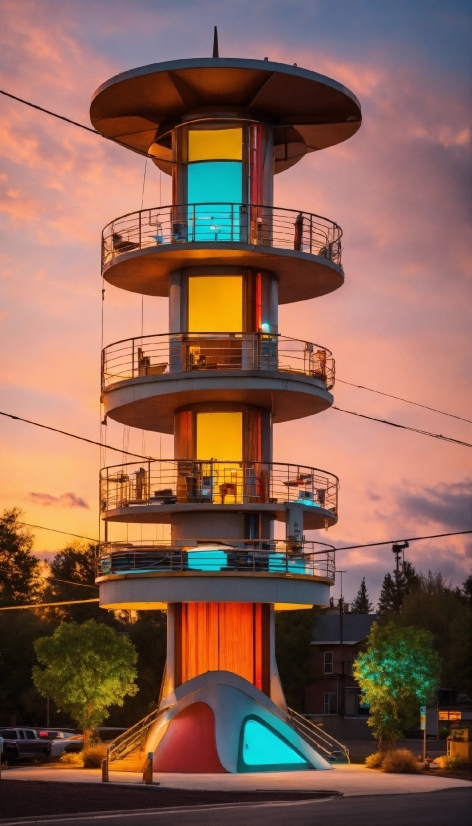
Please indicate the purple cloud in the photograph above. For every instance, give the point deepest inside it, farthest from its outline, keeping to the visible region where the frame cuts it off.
(65, 500)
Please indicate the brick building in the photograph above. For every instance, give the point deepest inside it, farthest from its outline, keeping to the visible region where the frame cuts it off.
(335, 644)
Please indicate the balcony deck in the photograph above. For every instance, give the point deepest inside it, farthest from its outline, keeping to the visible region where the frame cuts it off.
(141, 249)
(157, 490)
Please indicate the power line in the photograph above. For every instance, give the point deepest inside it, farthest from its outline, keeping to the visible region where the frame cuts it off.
(55, 579)
(407, 401)
(47, 604)
(405, 539)
(74, 123)
(74, 436)
(405, 427)
(55, 530)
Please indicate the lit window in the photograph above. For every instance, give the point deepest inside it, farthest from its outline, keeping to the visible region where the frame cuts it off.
(328, 662)
(215, 144)
(263, 748)
(215, 304)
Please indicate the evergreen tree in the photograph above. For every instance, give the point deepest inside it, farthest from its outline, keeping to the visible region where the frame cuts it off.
(362, 604)
(395, 588)
(19, 567)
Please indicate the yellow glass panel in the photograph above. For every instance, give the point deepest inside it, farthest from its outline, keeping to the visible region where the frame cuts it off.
(215, 144)
(215, 304)
(220, 436)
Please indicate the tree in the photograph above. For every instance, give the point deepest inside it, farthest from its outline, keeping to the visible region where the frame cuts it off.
(293, 635)
(395, 588)
(439, 608)
(362, 604)
(19, 568)
(397, 673)
(76, 563)
(88, 668)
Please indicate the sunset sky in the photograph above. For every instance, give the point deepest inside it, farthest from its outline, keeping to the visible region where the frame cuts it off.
(400, 189)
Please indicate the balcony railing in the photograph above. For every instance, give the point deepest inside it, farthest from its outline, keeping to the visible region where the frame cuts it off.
(182, 352)
(191, 481)
(247, 556)
(222, 223)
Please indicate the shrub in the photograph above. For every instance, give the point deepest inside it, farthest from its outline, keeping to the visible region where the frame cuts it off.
(374, 761)
(73, 758)
(93, 755)
(448, 762)
(400, 760)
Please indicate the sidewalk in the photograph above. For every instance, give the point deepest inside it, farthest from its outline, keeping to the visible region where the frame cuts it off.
(352, 780)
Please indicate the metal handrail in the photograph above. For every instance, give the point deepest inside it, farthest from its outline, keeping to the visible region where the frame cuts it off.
(254, 224)
(270, 556)
(121, 746)
(165, 353)
(320, 739)
(216, 482)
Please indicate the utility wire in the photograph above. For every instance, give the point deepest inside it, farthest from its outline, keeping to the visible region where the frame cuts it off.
(407, 401)
(55, 530)
(55, 579)
(405, 427)
(47, 604)
(74, 436)
(406, 539)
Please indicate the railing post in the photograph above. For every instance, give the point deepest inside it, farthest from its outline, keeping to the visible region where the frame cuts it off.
(139, 229)
(311, 234)
(132, 358)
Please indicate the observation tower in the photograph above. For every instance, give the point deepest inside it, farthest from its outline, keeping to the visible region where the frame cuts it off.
(218, 380)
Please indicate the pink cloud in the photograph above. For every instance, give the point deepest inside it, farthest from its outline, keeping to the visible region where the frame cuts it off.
(65, 500)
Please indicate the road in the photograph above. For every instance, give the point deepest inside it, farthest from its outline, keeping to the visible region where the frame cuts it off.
(451, 807)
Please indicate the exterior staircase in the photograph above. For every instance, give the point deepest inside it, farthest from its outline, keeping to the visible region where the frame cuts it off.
(126, 753)
(332, 750)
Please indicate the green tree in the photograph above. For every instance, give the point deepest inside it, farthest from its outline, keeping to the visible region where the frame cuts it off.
(293, 635)
(442, 610)
(362, 604)
(76, 563)
(395, 588)
(397, 673)
(88, 668)
(19, 568)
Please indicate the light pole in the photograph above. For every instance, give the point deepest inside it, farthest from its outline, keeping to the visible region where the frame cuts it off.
(341, 635)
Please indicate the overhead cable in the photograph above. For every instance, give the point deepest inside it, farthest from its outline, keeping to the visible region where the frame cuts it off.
(55, 530)
(404, 427)
(407, 401)
(405, 539)
(47, 604)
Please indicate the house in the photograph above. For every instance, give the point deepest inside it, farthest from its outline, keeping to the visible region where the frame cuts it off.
(337, 640)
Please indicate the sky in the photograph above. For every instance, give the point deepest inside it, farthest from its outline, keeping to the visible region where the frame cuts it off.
(400, 189)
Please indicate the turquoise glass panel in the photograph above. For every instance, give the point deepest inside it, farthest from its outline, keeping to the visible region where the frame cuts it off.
(278, 564)
(262, 747)
(207, 561)
(218, 187)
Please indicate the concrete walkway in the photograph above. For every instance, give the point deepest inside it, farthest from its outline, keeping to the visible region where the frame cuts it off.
(352, 780)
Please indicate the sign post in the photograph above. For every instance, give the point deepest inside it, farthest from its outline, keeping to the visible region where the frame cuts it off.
(1, 753)
(423, 729)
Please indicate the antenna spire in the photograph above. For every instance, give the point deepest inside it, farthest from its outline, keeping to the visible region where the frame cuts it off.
(215, 42)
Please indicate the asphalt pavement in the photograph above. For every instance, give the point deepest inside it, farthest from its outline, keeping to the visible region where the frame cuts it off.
(451, 807)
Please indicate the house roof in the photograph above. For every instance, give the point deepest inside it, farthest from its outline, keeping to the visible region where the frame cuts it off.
(355, 628)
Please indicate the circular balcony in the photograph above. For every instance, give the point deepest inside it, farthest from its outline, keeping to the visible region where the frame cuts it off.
(156, 490)
(145, 379)
(152, 574)
(141, 249)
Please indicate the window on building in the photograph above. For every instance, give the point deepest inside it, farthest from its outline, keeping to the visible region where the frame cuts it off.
(330, 702)
(328, 662)
(215, 303)
(215, 180)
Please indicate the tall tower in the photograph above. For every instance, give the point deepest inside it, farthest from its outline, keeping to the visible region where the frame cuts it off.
(219, 380)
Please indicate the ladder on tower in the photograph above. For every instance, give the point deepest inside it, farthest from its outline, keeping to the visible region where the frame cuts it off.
(331, 749)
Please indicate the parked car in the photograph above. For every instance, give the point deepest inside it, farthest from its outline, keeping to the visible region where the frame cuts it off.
(59, 740)
(30, 745)
(10, 753)
(74, 744)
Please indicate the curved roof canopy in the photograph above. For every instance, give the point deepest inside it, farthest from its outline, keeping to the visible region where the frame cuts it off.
(307, 111)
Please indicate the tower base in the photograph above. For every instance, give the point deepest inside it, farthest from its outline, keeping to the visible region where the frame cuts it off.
(219, 722)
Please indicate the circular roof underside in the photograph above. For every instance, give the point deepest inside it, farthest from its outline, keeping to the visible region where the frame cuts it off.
(308, 111)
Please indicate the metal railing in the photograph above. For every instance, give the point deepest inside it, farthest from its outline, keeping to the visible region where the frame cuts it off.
(253, 224)
(182, 352)
(332, 750)
(189, 481)
(254, 556)
(133, 738)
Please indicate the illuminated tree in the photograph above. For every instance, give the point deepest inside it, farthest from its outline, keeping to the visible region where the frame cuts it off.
(397, 673)
(88, 668)
(362, 604)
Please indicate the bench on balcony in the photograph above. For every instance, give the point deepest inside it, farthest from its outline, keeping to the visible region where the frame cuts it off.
(121, 244)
